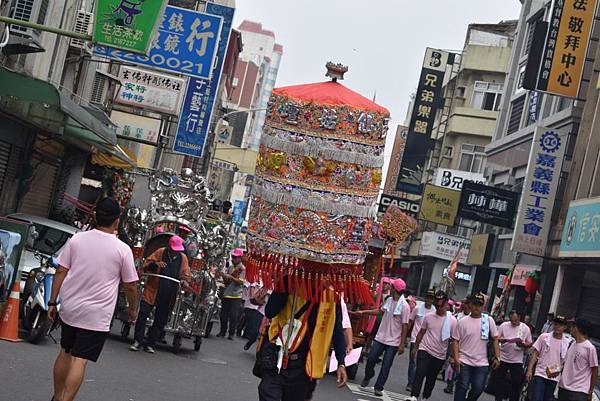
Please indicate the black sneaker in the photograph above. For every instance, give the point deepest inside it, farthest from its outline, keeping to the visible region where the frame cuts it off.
(364, 383)
(230, 338)
(247, 346)
(408, 388)
(221, 335)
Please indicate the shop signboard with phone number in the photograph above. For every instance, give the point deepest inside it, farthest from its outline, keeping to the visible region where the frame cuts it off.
(185, 43)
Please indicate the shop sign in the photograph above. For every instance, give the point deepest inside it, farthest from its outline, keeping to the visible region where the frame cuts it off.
(444, 246)
(566, 46)
(488, 204)
(238, 212)
(150, 90)
(127, 24)
(521, 273)
(408, 206)
(532, 226)
(428, 100)
(581, 233)
(463, 276)
(186, 43)
(480, 251)
(136, 128)
(454, 179)
(199, 100)
(439, 205)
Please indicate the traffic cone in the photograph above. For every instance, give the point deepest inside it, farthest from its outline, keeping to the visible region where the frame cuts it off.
(9, 322)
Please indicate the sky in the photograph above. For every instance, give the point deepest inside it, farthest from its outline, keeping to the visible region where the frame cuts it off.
(382, 41)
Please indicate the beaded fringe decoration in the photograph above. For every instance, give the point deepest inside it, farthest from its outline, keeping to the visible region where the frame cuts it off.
(309, 279)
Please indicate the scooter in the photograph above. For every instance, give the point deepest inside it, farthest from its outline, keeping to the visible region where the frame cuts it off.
(35, 317)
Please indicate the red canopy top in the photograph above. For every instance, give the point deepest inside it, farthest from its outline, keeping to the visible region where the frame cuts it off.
(329, 93)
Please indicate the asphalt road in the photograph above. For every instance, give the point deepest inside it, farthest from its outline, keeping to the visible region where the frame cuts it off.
(220, 371)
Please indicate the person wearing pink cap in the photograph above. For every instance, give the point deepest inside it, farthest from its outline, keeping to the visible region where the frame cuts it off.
(391, 335)
(159, 293)
(231, 305)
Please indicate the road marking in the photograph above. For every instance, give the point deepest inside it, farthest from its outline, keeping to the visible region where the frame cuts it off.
(368, 392)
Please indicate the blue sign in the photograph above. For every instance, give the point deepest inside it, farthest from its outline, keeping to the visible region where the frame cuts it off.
(581, 233)
(196, 112)
(238, 212)
(185, 43)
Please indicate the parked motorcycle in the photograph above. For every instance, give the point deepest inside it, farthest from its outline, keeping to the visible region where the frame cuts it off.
(35, 314)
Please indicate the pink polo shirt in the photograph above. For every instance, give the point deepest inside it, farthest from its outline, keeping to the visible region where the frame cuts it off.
(414, 316)
(473, 350)
(97, 263)
(577, 372)
(390, 329)
(346, 324)
(510, 352)
(432, 340)
(549, 354)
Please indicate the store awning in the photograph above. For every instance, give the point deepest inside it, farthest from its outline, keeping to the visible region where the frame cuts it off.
(118, 158)
(244, 159)
(43, 104)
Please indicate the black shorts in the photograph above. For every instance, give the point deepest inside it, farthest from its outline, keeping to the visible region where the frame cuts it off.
(82, 343)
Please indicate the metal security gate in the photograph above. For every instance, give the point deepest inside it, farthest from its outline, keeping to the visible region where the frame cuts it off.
(41, 191)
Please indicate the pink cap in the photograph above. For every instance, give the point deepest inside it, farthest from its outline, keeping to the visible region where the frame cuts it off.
(399, 285)
(185, 229)
(450, 302)
(387, 280)
(237, 252)
(176, 243)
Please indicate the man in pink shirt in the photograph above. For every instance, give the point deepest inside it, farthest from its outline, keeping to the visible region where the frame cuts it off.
(580, 373)
(432, 345)
(548, 355)
(416, 320)
(91, 266)
(469, 350)
(515, 338)
(391, 335)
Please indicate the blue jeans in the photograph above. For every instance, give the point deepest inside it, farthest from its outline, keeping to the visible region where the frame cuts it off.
(473, 377)
(389, 352)
(542, 389)
(412, 366)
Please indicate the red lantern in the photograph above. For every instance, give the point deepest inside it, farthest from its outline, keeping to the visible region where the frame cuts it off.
(531, 285)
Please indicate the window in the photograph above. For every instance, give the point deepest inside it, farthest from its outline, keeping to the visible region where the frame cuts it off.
(562, 103)
(529, 40)
(521, 78)
(516, 112)
(235, 82)
(471, 158)
(487, 95)
(448, 151)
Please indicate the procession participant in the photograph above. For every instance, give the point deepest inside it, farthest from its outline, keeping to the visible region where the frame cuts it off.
(191, 248)
(88, 296)
(255, 297)
(462, 309)
(414, 326)
(160, 293)
(547, 328)
(580, 373)
(232, 297)
(549, 352)
(295, 379)
(391, 336)
(527, 321)
(515, 338)
(469, 350)
(432, 345)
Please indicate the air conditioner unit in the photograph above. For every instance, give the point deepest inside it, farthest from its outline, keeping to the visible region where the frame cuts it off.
(30, 11)
(83, 24)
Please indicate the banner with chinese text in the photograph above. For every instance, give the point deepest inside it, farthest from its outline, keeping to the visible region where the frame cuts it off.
(186, 43)
(428, 99)
(487, 204)
(199, 100)
(439, 205)
(539, 191)
(566, 46)
(136, 128)
(581, 233)
(127, 24)
(444, 246)
(150, 90)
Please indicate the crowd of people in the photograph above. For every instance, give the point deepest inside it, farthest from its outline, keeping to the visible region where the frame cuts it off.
(295, 336)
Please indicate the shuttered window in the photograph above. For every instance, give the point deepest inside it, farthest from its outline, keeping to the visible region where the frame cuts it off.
(516, 112)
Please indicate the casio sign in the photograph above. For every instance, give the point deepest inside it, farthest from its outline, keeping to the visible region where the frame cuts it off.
(408, 206)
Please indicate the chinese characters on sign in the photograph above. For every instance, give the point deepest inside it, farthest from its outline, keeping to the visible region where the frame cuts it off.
(444, 246)
(454, 179)
(200, 95)
(127, 24)
(566, 46)
(136, 128)
(439, 205)
(581, 233)
(539, 191)
(185, 44)
(488, 204)
(521, 273)
(149, 90)
(428, 100)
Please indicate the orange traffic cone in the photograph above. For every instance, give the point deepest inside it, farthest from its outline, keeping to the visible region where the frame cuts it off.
(9, 322)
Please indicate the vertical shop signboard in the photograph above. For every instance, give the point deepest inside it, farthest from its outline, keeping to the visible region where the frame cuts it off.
(428, 100)
(532, 226)
(199, 100)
